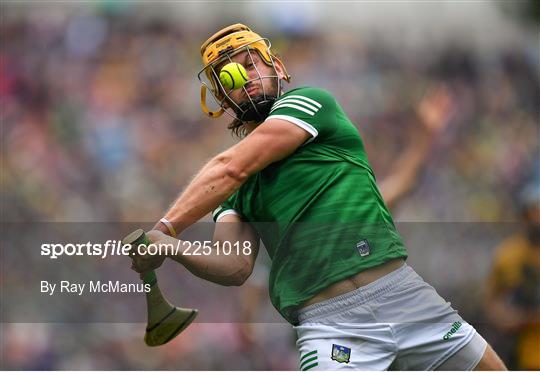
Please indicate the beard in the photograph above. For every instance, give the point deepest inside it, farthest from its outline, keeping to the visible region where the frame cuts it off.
(256, 110)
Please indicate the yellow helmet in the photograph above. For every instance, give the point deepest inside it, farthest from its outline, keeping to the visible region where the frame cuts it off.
(220, 47)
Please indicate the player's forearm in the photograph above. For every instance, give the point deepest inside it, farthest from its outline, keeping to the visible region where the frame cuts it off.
(214, 183)
(403, 174)
(222, 269)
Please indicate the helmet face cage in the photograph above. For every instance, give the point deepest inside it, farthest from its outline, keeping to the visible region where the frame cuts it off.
(221, 94)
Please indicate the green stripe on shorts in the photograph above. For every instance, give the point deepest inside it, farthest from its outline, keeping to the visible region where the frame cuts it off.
(307, 361)
(311, 366)
(308, 354)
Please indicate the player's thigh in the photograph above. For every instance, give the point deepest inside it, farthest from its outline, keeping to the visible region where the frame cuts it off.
(477, 355)
(345, 346)
(467, 357)
(427, 329)
(490, 361)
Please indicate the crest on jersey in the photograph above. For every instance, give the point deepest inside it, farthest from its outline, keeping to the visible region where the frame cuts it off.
(363, 247)
(341, 354)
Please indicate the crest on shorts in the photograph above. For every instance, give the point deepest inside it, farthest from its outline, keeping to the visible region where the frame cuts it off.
(340, 353)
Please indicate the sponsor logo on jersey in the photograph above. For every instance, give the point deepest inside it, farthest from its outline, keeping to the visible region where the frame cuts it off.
(363, 247)
(341, 354)
(452, 330)
(299, 103)
(308, 361)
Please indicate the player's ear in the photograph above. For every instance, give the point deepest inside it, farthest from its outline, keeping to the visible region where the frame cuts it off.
(280, 69)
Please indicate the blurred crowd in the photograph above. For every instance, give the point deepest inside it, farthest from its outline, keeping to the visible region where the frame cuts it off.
(101, 122)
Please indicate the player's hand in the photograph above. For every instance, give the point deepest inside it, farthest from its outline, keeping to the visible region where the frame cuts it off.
(158, 237)
(142, 263)
(436, 109)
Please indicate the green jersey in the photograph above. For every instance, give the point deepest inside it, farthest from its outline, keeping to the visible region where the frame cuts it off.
(318, 212)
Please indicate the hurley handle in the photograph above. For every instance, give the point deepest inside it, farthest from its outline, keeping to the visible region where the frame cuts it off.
(137, 238)
(164, 320)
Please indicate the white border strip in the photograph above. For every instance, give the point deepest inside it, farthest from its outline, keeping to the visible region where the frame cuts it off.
(302, 124)
(226, 213)
(216, 211)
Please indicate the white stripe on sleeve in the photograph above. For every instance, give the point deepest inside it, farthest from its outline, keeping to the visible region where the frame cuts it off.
(305, 98)
(297, 101)
(290, 105)
(226, 213)
(298, 122)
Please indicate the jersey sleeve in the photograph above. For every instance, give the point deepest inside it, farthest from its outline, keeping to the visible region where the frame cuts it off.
(312, 109)
(226, 208)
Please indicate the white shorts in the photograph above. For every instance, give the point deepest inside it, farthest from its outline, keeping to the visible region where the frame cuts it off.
(397, 322)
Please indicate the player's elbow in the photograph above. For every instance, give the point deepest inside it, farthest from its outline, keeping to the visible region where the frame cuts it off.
(232, 169)
(240, 277)
(236, 173)
(233, 281)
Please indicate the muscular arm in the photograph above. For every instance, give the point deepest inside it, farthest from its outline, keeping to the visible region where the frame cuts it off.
(212, 263)
(434, 112)
(221, 177)
(404, 172)
(224, 174)
(231, 269)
